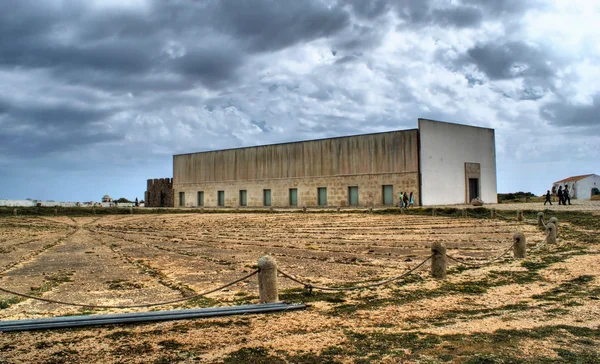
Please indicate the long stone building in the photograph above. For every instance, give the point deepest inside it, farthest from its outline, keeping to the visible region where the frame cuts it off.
(440, 163)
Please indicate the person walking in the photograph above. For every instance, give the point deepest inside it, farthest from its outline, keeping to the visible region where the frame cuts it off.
(401, 199)
(411, 200)
(566, 196)
(548, 198)
(559, 194)
(406, 199)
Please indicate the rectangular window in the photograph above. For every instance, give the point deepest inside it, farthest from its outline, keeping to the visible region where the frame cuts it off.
(182, 199)
(221, 198)
(293, 197)
(267, 197)
(388, 195)
(243, 198)
(200, 198)
(322, 196)
(353, 196)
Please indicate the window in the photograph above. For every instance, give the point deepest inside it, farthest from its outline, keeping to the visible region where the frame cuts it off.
(182, 199)
(221, 198)
(322, 196)
(243, 198)
(267, 197)
(353, 196)
(200, 198)
(388, 195)
(293, 197)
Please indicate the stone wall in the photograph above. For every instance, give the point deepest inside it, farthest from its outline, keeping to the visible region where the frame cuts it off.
(370, 190)
(159, 193)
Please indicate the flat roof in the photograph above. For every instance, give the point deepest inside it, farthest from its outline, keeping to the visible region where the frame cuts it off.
(300, 141)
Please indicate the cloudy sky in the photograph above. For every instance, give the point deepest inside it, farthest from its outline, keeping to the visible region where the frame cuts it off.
(97, 95)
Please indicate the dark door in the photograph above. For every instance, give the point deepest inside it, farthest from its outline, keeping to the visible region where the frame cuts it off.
(473, 188)
(293, 197)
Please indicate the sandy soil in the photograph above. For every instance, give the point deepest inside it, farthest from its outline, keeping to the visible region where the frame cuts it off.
(129, 259)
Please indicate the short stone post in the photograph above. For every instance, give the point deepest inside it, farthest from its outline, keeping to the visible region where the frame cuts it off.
(520, 245)
(131, 210)
(540, 219)
(493, 213)
(554, 220)
(271, 209)
(55, 212)
(550, 233)
(15, 212)
(439, 262)
(464, 213)
(519, 215)
(304, 208)
(94, 211)
(433, 212)
(370, 209)
(267, 280)
(338, 209)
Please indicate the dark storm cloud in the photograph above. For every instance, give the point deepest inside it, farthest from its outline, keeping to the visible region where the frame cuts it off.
(417, 12)
(510, 60)
(564, 113)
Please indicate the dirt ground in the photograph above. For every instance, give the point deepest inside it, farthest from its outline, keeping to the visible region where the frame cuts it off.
(544, 308)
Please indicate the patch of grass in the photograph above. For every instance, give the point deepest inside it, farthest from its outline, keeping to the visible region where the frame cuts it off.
(123, 284)
(6, 303)
(298, 295)
(119, 335)
(252, 355)
(568, 290)
(170, 344)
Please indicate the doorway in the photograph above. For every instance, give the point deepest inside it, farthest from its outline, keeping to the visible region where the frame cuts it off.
(473, 188)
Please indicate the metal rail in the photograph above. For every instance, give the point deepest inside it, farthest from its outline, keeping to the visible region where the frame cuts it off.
(138, 317)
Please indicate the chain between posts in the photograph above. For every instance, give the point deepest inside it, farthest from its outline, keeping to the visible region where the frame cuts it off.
(310, 286)
(47, 300)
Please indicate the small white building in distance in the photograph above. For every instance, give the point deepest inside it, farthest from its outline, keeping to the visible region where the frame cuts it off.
(580, 187)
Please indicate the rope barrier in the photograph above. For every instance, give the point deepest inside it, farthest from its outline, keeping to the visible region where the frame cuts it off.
(481, 264)
(310, 287)
(479, 216)
(129, 306)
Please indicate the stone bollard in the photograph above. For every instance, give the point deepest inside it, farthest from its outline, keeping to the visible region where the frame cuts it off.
(433, 212)
(267, 280)
(338, 209)
(464, 213)
(550, 233)
(439, 262)
(540, 219)
(554, 220)
(15, 212)
(370, 209)
(270, 209)
(55, 212)
(131, 210)
(94, 211)
(519, 215)
(304, 208)
(520, 245)
(493, 213)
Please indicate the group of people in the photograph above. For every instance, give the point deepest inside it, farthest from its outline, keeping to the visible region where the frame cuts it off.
(564, 196)
(406, 200)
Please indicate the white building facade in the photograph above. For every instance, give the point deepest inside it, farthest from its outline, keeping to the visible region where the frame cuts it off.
(457, 163)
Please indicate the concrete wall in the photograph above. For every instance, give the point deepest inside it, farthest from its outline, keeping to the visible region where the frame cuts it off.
(392, 152)
(446, 152)
(370, 189)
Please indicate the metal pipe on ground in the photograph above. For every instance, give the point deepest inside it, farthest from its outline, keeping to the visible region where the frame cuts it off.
(94, 320)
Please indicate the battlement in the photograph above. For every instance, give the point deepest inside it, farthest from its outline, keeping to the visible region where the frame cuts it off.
(159, 192)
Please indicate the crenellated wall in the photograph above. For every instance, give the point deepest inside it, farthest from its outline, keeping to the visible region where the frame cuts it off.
(159, 193)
